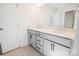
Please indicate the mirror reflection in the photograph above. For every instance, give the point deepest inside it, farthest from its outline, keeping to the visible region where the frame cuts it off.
(69, 19)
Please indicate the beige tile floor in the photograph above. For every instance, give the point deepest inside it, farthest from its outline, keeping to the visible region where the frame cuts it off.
(24, 51)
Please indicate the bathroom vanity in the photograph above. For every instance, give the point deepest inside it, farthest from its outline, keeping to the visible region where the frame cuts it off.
(51, 42)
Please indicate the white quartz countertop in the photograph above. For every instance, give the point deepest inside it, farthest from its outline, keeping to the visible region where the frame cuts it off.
(70, 34)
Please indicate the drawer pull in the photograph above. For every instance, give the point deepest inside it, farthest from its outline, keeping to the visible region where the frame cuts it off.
(38, 47)
(38, 40)
(38, 34)
(30, 36)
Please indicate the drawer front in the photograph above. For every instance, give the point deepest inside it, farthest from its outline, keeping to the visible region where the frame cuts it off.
(59, 40)
(39, 48)
(40, 34)
(39, 40)
(31, 31)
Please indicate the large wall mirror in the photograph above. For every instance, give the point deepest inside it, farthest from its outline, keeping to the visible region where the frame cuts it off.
(69, 19)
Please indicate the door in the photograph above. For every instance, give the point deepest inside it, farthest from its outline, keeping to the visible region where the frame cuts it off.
(32, 39)
(48, 48)
(69, 19)
(9, 22)
(60, 50)
(0, 22)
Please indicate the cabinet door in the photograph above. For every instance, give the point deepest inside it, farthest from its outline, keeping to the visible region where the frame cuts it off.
(48, 48)
(60, 50)
(32, 39)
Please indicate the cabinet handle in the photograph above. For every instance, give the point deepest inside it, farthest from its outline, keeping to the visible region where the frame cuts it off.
(30, 36)
(38, 40)
(1, 28)
(52, 47)
(37, 47)
(38, 34)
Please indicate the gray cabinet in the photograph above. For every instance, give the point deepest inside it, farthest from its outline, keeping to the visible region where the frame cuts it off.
(49, 45)
(52, 49)
(39, 48)
(39, 42)
(60, 50)
(61, 45)
(58, 39)
(48, 48)
(31, 38)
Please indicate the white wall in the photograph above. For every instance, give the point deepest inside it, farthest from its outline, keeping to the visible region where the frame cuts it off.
(32, 16)
(28, 16)
(56, 19)
(45, 16)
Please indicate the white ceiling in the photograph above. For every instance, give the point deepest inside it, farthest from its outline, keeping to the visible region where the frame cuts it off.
(62, 5)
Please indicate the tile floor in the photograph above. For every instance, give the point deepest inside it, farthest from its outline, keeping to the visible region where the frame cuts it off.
(24, 51)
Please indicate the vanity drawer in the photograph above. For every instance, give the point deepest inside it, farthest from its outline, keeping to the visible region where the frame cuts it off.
(40, 34)
(39, 40)
(59, 40)
(39, 47)
(31, 31)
